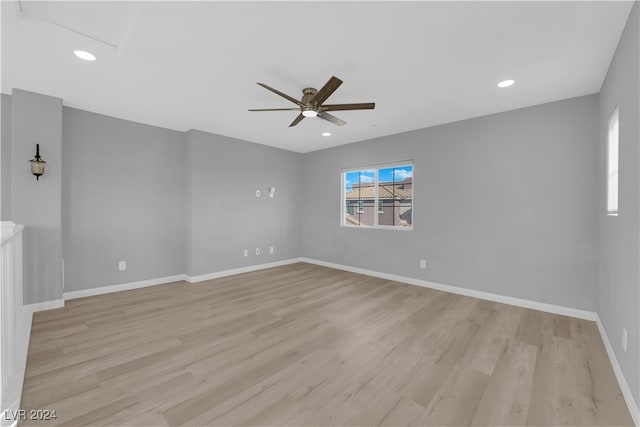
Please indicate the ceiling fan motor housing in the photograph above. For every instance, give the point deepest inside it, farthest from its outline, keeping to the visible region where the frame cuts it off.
(307, 95)
(308, 109)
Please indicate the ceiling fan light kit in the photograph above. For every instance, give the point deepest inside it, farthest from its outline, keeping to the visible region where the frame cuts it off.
(312, 103)
(309, 112)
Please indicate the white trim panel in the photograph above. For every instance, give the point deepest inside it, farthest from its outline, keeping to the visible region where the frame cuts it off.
(14, 394)
(46, 305)
(534, 305)
(124, 287)
(234, 271)
(622, 382)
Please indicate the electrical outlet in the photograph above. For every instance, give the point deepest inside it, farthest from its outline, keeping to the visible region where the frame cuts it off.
(423, 263)
(246, 253)
(257, 251)
(624, 339)
(122, 265)
(270, 249)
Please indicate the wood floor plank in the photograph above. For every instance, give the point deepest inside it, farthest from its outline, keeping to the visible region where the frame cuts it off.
(406, 412)
(102, 414)
(597, 388)
(554, 396)
(43, 396)
(306, 345)
(285, 412)
(457, 398)
(241, 377)
(261, 397)
(506, 399)
(488, 344)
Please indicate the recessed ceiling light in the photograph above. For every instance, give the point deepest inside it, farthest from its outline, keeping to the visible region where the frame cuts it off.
(326, 133)
(506, 83)
(84, 55)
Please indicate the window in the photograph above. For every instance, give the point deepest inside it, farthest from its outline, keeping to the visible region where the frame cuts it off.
(378, 196)
(612, 163)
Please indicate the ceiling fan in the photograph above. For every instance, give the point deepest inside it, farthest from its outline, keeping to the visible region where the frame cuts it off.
(311, 104)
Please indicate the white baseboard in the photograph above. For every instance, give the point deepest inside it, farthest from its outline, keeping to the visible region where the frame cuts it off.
(624, 386)
(234, 271)
(123, 287)
(46, 305)
(520, 302)
(169, 279)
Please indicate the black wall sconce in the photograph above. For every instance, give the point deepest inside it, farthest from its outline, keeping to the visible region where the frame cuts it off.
(37, 164)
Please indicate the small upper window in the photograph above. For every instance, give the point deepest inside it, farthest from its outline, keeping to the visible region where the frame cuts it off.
(613, 138)
(378, 196)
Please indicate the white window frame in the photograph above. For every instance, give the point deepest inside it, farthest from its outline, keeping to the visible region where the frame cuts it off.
(613, 164)
(375, 167)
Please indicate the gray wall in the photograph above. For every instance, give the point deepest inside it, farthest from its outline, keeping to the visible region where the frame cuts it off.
(168, 202)
(225, 216)
(618, 296)
(502, 203)
(35, 119)
(123, 200)
(5, 157)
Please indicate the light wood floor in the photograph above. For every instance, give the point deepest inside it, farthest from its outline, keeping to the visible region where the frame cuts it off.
(307, 345)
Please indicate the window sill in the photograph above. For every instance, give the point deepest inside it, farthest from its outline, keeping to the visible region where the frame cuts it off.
(379, 227)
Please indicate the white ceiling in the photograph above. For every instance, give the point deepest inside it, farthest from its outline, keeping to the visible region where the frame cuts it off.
(194, 65)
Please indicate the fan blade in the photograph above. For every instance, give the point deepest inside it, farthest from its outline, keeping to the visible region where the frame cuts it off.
(297, 120)
(277, 92)
(331, 118)
(337, 107)
(326, 91)
(275, 109)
